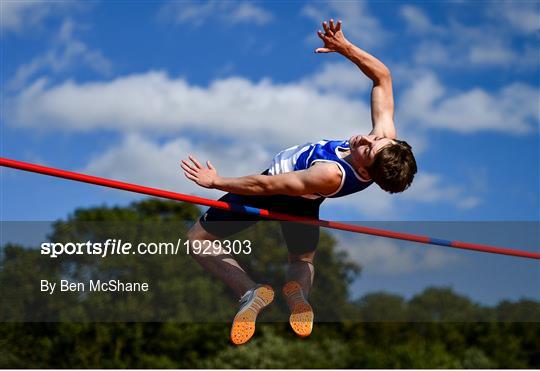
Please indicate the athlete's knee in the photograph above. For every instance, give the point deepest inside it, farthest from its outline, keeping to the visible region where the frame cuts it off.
(200, 241)
(303, 257)
(198, 233)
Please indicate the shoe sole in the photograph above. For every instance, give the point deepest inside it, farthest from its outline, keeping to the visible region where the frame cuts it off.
(301, 319)
(243, 326)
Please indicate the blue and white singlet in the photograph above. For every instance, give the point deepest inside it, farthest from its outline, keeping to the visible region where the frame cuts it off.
(304, 156)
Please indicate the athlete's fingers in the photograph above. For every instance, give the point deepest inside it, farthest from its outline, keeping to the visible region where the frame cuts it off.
(325, 27)
(210, 166)
(195, 161)
(192, 158)
(183, 163)
(338, 26)
(190, 173)
(194, 168)
(321, 35)
(186, 164)
(328, 31)
(332, 27)
(189, 170)
(190, 177)
(323, 50)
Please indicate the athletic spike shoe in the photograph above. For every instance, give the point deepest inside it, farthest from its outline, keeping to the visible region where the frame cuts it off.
(301, 319)
(251, 303)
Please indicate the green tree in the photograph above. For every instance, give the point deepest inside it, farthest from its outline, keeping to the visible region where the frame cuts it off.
(184, 320)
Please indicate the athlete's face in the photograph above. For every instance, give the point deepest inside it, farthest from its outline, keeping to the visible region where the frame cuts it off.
(365, 147)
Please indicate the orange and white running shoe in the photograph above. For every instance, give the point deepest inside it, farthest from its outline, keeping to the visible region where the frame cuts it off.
(251, 303)
(301, 319)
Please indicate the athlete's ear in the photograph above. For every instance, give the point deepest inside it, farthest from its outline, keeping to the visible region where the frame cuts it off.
(364, 173)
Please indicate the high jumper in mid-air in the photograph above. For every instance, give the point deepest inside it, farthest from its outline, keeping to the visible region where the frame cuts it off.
(296, 182)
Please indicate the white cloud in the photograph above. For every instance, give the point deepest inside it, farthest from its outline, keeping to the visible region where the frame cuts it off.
(66, 52)
(522, 16)
(279, 114)
(431, 188)
(237, 107)
(489, 42)
(418, 21)
(141, 160)
(358, 23)
(491, 53)
(415, 18)
(498, 53)
(339, 78)
(19, 15)
(249, 13)
(386, 257)
(513, 109)
(432, 52)
(427, 188)
(372, 202)
(197, 13)
(468, 202)
(28, 15)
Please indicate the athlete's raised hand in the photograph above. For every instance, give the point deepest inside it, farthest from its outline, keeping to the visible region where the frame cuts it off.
(203, 176)
(333, 38)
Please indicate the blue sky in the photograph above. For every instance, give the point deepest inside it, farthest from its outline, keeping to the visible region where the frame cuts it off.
(124, 90)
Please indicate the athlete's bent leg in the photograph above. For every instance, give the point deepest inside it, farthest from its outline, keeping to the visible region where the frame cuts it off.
(301, 270)
(217, 224)
(222, 266)
(299, 280)
(253, 297)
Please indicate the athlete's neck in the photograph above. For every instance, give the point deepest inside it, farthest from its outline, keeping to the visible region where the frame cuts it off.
(347, 156)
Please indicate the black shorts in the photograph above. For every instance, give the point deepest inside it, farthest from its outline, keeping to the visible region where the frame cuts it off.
(300, 238)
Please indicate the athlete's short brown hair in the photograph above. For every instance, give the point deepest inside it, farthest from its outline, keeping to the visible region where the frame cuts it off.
(394, 167)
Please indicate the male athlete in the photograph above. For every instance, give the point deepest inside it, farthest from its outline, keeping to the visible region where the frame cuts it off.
(297, 182)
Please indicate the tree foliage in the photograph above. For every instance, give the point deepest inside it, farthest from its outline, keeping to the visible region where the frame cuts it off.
(183, 322)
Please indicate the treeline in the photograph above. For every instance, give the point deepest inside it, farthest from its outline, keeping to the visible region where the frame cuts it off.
(183, 322)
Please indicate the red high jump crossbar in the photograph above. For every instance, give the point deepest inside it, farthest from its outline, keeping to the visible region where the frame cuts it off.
(260, 212)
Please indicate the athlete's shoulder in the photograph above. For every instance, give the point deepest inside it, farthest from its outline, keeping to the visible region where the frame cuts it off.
(326, 169)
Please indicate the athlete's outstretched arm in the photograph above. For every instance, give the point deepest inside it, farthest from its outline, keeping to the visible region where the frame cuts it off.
(323, 179)
(382, 99)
